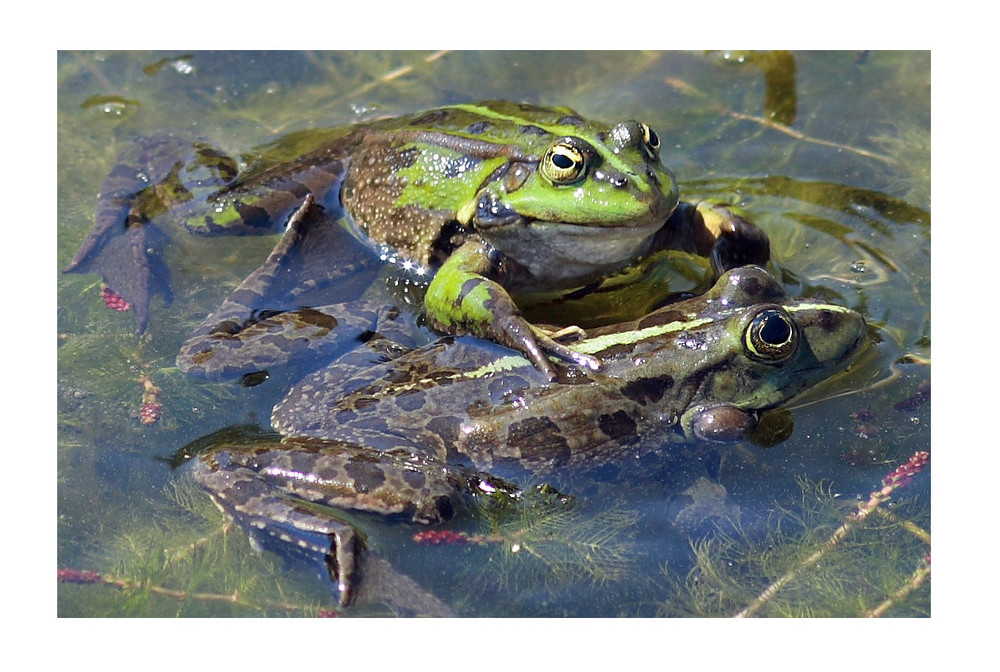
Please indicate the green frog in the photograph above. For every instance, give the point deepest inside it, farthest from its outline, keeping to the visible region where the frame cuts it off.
(487, 201)
(412, 432)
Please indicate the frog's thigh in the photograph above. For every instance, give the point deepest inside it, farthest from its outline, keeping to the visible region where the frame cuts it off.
(363, 479)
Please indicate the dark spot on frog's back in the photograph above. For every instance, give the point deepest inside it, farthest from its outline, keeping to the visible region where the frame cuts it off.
(660, 318)
(828, 321)
(539, 437)
(618, 426)
(614, 351)
(411, 400)
(367, 475)
(570, 120)
(299, 461)
(446, 427)
(531, 129)
(325, 470)
(317, 319)
(478, 127)
(363, 402)
(413, 478)
(648, 389)
(431, 117)
(342, 416)
(241, 491)
(757, 285)
(402, 376)
(751, 285)
(504, 390)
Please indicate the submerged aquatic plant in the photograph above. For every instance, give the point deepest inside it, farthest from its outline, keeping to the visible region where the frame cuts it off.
(137, 558)
(186, 562)
(859, 574)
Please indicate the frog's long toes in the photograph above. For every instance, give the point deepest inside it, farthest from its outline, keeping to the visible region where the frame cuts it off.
(345, 592)
(341, 562)
(586, 361)
(570, 355)
(567, 334)
(591, 363)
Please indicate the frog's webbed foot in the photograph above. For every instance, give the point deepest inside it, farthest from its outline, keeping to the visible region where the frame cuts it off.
(275, 521)
(287, 495)
(151, 176)
(737, 241)
(124, 247)
(129, 258)
(342, 562)
(336, 541)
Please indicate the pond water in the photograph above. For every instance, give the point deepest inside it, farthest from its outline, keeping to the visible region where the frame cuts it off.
(829, 152)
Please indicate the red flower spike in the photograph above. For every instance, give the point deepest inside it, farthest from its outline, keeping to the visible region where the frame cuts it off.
(904, 473)
(149, 413)
(113, 301)
(438, 537)
(77, 576)
(151, 409)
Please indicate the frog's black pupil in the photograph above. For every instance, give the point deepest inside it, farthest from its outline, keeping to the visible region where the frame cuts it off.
(775, 330)
(562, 161)
(654, 139)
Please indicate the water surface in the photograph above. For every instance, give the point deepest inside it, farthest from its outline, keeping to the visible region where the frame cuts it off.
(829, 152)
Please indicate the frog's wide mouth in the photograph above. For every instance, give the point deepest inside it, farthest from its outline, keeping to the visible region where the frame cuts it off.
(597, 229)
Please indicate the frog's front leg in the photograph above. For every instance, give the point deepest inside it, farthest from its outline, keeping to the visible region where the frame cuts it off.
(463, 298)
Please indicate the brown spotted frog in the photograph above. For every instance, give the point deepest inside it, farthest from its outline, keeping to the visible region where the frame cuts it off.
(383, 427)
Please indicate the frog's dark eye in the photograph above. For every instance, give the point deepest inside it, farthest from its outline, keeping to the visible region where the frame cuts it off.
(771, 336)
(651, 141)
(564, 163)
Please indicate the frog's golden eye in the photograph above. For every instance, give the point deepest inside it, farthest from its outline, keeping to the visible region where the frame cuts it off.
(650, 140)
(771, 336)
(564, 163)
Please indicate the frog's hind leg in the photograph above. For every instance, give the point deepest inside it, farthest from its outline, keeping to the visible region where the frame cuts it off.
(291, 497)
(264, 323)
(290, 528)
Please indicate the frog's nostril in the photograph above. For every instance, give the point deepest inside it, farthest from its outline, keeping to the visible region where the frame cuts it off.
(617, 180)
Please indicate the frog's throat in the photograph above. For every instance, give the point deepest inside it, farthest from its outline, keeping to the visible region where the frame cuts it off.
(555, 251)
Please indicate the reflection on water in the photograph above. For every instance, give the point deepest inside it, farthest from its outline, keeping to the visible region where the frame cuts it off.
(828, 152)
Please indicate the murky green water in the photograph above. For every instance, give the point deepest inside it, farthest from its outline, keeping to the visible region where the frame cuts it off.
(829, 152)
